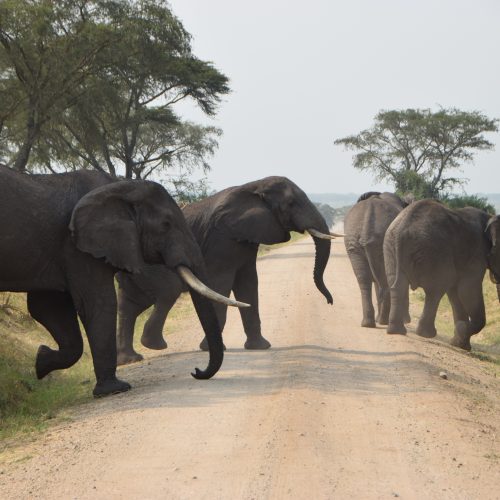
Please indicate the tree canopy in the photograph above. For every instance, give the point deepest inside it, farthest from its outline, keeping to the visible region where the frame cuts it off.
(421, 151)
(94, 84)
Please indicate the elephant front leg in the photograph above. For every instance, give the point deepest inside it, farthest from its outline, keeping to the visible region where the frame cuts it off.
(246, 289)
(95, 301)
(56, 312)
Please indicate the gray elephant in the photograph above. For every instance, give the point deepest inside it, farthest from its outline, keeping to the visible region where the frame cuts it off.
(64, 236)
(229, 226)
(443, 251)
(365, 225)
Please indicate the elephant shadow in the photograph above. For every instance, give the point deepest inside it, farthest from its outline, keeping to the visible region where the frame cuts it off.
(162, 381)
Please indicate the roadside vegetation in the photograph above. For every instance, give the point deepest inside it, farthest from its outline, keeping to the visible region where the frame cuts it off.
(486, 344)
(28, 404)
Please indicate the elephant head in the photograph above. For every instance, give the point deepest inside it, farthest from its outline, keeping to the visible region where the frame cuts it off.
(129, 223)
(265, 211)
(493, 232)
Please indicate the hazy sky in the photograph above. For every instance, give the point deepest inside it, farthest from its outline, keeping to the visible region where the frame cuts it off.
(305, 73)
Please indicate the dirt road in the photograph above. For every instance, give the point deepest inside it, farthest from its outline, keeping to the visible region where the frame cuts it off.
(331, 411)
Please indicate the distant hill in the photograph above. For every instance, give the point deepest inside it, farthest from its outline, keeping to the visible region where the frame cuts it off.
(337, 200)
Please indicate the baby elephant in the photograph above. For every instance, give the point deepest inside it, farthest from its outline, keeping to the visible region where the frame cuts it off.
(228, 226)
(442, 251)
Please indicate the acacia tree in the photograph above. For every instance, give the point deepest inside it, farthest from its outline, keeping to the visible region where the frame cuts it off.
(420, 151)
(125, 122)
(48, 49)
(94, 84)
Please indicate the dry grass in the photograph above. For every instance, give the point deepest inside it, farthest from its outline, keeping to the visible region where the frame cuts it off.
(486, 344)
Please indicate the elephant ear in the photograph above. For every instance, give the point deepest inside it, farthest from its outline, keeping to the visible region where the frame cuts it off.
(103, 225)
(246, 217)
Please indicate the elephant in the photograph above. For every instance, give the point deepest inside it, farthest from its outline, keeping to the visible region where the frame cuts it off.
(365, 225)
(63, 238)
(229, 226)
(441, 250)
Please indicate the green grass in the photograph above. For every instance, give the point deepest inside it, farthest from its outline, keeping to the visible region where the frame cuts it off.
(263, 249)
(486, 344)
(29, 405)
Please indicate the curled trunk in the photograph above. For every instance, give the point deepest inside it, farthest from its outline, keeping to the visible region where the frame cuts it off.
(320, 262)
(208, 319)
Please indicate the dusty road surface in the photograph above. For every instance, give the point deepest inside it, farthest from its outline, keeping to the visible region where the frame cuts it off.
(331, 411)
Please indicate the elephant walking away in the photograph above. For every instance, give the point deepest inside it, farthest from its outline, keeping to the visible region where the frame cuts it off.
(365, 225)
(63, 237)
(443, 251)
(229, 226)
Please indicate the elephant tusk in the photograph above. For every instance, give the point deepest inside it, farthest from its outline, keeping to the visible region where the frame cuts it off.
(318, 234)
(340, 235)
(191, 280)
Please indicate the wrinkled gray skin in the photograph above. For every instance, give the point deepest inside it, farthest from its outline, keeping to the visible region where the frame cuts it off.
(442, 251)
(365, 225)
(229, 226)
(63, 238)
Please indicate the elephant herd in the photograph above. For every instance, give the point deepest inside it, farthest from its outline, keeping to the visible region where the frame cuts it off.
(64, 237)
(424, 244)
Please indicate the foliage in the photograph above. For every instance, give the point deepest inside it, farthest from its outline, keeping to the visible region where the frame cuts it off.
(470, 201)
(103, 78)
(327, 212)
(419, 150)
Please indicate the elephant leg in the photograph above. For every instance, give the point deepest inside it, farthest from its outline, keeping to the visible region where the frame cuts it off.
(363, 274)
(426, 327)
(56, 312)
(152, 336)
(221, 282)
(399, 306)
(375, 258)
(246, 289)
(128, 311)
(95, 300)
(471, 298)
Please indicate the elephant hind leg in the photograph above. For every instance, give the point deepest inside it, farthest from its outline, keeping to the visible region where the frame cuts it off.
(471, 299)
(56, 312)
(246, 289)
(152, 335)
(363, 274)
(426, 327)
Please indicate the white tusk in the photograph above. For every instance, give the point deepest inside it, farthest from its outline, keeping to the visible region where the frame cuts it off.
(340, 235)
(322, 236)
(187, 275)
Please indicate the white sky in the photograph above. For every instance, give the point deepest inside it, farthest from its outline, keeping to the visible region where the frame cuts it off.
(304, 73)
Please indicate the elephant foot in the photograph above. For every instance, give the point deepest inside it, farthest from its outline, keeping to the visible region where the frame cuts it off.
(259, 343)
(109, 387)
(44, 361)
(125, 358)
(156, 342)
(204, 345)
(461, 338)
(368, 323)
(396, 329)
(428, 332)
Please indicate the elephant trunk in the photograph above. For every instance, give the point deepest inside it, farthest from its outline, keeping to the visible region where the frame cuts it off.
(320, 262)
(208, 318)
(498, 292)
